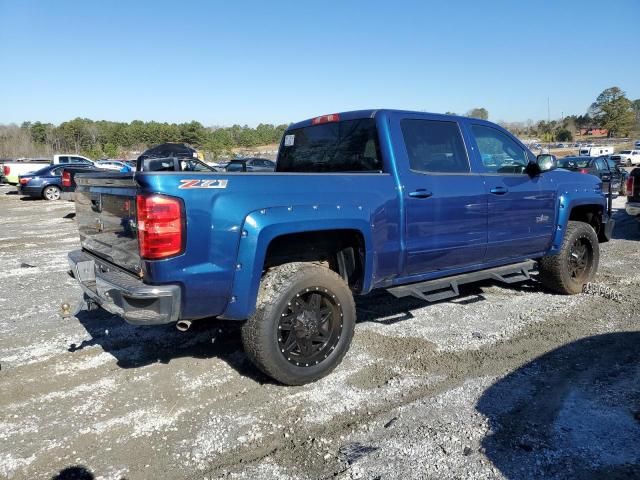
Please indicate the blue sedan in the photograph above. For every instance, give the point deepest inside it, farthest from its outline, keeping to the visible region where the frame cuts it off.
(44, 183)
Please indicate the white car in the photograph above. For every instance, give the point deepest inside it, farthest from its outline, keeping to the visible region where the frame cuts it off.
(627, 157)
(113, 165)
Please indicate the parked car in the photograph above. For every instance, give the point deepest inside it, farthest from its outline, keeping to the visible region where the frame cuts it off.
(44, 183)
(68, 182)
(602, 167)
(627, 157)
(250, 165)
(116, 165)
(637, 144)
(381, 199)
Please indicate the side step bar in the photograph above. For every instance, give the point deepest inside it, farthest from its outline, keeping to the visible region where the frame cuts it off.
(443, 288)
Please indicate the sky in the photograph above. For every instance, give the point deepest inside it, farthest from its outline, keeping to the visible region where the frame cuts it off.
(250, 62)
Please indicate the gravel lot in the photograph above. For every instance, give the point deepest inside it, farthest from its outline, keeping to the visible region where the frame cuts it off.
(503, 382)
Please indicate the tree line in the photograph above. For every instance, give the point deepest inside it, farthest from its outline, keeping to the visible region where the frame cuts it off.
(106, 139)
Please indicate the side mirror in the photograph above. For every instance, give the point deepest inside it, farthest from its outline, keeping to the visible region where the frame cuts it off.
(546, 162)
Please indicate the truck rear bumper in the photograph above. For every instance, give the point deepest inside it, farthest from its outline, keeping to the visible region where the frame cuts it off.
(124, 295)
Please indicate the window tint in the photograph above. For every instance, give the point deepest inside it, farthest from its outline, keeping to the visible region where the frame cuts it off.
(56, 172)
(63, 159)
(499, 152)
(347, 146)
(434, 146)
(600, 164)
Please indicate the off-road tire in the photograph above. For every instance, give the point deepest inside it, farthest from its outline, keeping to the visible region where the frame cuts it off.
(555, 270)
(278, 288)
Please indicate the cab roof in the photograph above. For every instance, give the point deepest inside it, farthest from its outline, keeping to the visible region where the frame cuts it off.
(358, 114)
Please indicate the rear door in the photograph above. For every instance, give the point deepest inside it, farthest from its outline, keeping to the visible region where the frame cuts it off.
(521, 208)
(445, 204)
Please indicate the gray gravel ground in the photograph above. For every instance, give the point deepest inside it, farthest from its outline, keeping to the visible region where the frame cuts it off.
(503, 382)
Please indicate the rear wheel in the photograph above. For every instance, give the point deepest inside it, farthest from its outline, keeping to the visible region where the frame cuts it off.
(577, 262)
(303, 324)
(51, 193)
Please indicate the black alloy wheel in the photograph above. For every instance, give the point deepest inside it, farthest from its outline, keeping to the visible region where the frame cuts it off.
(310, 327)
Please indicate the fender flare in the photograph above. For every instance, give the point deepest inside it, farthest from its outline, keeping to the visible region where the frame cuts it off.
(261, 227)
(567, 201)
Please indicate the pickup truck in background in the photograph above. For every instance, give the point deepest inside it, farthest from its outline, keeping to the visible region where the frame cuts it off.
(414, 203)
(632, 191)
(12, 170)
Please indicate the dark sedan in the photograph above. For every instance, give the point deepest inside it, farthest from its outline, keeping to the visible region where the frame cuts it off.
(602, 167)
(250, 165)
(44, 183)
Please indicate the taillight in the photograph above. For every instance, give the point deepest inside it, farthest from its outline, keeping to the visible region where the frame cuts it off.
(24, 180)
(584, 170)
(160, 226)
(6, 170)
(628, 188)
(66, 178)
(334, 117)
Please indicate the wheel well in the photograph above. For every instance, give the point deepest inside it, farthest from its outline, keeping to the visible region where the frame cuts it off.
(341, 250)
(591, 214)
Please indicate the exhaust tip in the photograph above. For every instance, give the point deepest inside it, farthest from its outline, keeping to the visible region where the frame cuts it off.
(183, 325)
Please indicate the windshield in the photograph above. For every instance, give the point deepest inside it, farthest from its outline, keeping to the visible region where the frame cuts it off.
(347, 146)
(573, 162)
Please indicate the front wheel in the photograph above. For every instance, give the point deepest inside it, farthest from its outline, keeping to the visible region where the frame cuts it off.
(577, 262)
(303, 324)
(51, 193)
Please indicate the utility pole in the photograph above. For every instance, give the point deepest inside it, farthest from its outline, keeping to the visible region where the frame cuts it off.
(549, 122)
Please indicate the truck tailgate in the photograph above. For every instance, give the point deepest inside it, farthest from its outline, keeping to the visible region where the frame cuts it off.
(106, 216)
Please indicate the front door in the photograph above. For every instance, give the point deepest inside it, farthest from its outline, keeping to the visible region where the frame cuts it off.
(445, 204)
(521, 208)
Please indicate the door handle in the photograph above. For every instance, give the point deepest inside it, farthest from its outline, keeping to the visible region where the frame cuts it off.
(420, 193)
(499, 190)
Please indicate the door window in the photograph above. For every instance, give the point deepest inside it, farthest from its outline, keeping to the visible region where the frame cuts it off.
(434, 146)
(499, 152)
(63, 159)
(601, 165)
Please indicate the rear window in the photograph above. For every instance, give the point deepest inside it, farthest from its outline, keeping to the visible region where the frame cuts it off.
(347, 146)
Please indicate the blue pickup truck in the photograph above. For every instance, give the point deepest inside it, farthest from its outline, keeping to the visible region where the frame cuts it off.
(415, 203)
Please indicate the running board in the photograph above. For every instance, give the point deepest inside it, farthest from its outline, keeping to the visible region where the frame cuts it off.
(443, 288)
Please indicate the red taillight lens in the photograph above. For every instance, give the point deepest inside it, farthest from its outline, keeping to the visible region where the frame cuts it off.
(584, 170)
(334, 117)
(160, 226)
(6, 170)
(628, 188)
(24, 180)
(66, 178)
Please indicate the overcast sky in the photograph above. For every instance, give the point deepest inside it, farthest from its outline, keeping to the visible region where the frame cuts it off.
(230, 62)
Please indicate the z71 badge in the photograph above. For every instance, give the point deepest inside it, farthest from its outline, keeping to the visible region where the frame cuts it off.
(203, 183)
